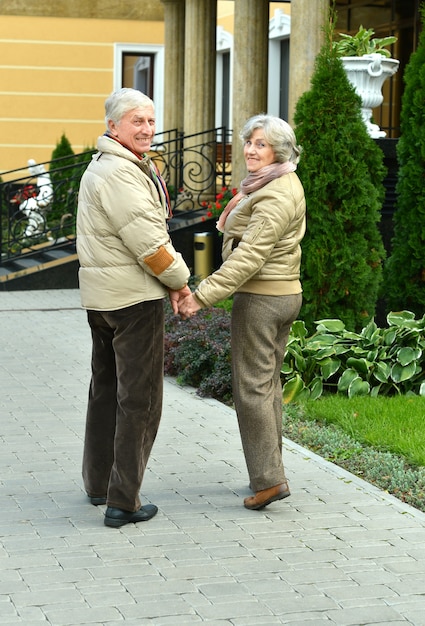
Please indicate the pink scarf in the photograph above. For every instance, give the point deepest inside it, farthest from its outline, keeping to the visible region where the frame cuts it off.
(253, 182)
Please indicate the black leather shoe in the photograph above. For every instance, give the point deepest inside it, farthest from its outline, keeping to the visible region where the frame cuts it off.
(118, 517)
(96, 501)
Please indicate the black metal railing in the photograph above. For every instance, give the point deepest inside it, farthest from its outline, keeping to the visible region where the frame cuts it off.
(193, 166)
(38, 203)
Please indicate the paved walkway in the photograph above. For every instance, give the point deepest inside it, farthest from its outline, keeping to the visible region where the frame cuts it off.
(338, 551)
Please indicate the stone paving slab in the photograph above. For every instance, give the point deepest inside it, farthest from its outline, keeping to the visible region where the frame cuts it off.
(338, 551)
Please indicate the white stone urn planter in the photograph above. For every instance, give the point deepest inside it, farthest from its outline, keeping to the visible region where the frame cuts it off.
(367, 74)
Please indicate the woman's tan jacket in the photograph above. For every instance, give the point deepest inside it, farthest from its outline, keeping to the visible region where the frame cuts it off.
(123, 245)
(261, 244)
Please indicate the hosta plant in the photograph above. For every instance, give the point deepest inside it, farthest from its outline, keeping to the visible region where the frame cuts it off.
(382, 361)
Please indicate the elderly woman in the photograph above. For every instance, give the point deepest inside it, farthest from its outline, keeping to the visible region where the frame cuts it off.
(262, 227)
(127, 266)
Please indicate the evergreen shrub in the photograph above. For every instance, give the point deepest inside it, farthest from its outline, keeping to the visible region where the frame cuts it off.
(63, 156)
(405, 268)
(342, 171)
(66, 170)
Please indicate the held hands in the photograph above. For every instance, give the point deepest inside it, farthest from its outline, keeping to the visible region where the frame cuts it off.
(183, 302)
(188, 307)
(177, 296)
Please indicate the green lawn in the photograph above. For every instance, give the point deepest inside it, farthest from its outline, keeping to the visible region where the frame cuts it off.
(395, 424)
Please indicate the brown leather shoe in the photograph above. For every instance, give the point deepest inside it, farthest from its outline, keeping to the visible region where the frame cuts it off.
(266, 496)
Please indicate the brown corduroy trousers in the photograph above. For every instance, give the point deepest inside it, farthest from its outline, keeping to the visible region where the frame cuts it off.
(125, 400)
(259, 333)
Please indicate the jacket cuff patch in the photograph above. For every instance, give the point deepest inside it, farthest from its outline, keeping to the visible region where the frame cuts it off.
(159, 261)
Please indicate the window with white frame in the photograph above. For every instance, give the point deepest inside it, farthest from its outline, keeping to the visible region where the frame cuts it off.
(224, 71)
(278, 79)
(142, 67)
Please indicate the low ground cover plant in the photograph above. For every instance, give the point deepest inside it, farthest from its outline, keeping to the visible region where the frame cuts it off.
(394, 424)
(197, 352)
(384, 469)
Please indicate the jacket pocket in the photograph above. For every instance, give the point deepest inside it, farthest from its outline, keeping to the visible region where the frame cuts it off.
(256, 232)
(236, 241)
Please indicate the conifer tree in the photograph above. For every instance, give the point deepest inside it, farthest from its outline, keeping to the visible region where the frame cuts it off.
(405, 268)
(62, 149)
(61, 169)
(342, 172)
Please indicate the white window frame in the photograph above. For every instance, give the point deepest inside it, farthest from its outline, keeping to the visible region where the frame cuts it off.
(279, 28)
(158, 83)
(224, 43)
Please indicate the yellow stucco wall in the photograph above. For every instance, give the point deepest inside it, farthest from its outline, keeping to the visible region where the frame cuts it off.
(54, 77)
(55, 72)
(226, 11)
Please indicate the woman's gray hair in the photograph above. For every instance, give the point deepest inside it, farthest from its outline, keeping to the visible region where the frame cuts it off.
(278, 134)
(124, 100)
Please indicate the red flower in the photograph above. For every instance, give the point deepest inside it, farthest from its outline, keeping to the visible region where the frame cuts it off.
(222, 198)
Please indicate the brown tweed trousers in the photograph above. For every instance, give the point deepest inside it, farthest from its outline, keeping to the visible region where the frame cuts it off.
(259, 333)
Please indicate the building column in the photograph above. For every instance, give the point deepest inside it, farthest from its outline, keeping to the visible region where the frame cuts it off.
(174, 61)
(199, 96)
(306, 40)
(250, 72)
(200, 62)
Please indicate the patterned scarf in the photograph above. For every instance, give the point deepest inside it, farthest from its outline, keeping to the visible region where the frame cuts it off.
(161, 186)
(253, 182)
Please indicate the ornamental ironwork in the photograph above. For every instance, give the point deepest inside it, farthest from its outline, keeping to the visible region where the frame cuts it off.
(38, 203)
